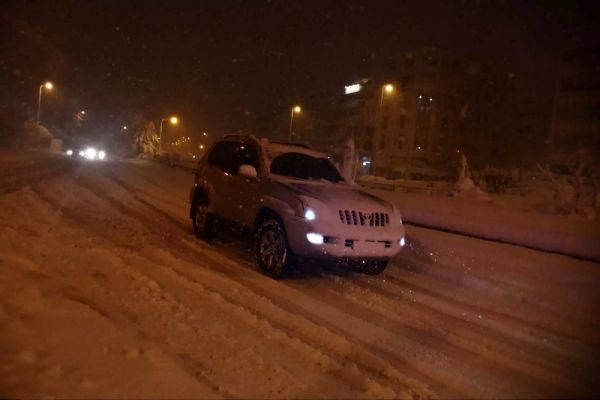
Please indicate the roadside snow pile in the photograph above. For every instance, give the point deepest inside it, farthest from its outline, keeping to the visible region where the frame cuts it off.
(567, 235)
(465, 187)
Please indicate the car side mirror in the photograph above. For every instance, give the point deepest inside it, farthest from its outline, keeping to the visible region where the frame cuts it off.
(248, 171)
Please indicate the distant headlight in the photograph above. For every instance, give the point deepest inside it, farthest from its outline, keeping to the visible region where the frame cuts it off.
(90, 153)
(69, 152)
(101, 154)
(82, 153)
(309, 214)
(402, 242)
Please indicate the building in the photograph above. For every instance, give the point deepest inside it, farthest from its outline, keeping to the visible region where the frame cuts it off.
(408, 118)
(350, 115)
(575, 122)
(418, 123)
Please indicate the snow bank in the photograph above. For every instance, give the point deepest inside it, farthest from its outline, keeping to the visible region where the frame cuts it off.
(570, 236)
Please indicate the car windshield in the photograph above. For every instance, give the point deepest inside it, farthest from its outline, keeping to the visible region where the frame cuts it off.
(303, 166)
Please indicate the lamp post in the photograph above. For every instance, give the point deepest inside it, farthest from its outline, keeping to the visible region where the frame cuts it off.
(386, 89)
(174, 121)
(295, 110)
(47, 86)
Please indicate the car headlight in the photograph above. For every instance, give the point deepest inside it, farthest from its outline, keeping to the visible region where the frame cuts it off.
(402, 242)
(101, 154)
(69, 152)
(90, 153)
(315, 238)
(309, 214)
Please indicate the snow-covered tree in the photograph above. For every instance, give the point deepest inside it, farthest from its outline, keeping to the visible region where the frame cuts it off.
(569, 190)
(34, 135)
(349, 163)
(464, 186)
(146, 139)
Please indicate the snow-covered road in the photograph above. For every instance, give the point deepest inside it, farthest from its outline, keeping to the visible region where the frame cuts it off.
(106, 293)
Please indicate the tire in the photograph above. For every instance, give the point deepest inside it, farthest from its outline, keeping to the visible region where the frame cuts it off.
(273, 254)
(374, 267)
(202, 222)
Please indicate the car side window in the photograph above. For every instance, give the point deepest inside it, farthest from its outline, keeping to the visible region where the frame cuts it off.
(247, 154)
(229, 155)
(224, 156)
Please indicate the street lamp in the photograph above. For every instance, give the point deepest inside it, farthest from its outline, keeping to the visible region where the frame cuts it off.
(295, 110)
(173, 120)
(48, 86)
(388, 88)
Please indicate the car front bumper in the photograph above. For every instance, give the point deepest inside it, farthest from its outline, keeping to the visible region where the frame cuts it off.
(343, 242)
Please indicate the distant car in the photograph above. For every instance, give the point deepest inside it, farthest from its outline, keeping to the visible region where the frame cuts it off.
(297, 202)
(87, 152)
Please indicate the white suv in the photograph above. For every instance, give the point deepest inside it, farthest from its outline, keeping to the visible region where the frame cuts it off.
(296, 201)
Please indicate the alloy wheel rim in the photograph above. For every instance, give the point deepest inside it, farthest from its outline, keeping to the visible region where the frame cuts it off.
(200, 217)
(272, 250)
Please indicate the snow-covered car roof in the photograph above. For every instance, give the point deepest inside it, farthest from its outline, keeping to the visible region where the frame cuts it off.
(273, 150)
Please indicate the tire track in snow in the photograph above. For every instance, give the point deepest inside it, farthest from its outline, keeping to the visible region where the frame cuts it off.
(518, 323)
(118, 315)
(487, 331)
(75, 216)
(234, 267)
(509, 326)
(242, 305)
(17, 179)
(477, 347)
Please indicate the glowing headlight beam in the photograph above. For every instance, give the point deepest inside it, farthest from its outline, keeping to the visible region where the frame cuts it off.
(309, 214)
(90, 153)
(315, 238)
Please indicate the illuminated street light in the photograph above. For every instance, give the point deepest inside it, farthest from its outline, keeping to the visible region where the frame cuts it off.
(173, 120)
(48, 86)
(388, 89)
(295, 110)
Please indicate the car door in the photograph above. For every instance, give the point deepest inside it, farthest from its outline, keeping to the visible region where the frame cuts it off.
(221, 171)
(246, 196)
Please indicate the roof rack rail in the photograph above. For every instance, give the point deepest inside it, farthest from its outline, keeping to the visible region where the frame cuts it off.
(241, 136)
(304, 145)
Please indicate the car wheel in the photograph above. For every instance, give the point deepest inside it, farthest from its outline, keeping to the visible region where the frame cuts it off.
(273, 253)
(202, 222)
(374, 267)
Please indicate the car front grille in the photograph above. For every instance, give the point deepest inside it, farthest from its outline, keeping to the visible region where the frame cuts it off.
(353, 217)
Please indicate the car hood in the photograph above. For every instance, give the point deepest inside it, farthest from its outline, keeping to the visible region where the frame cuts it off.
(340, 196)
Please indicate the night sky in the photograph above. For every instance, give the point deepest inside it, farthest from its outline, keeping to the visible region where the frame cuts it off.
(224, 65)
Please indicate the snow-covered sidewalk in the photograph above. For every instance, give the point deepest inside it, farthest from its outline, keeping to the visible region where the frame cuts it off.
(572, 236)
